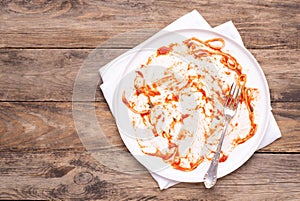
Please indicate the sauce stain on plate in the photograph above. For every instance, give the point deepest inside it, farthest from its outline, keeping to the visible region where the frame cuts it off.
(176, 103)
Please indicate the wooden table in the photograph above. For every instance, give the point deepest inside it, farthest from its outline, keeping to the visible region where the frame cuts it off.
(43, 46)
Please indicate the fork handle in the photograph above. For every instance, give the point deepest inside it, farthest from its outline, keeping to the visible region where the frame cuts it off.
(210, 177)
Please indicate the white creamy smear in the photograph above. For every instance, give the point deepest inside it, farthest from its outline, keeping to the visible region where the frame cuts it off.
(184, 121)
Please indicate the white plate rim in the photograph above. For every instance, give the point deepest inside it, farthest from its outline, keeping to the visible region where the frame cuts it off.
(267, 102)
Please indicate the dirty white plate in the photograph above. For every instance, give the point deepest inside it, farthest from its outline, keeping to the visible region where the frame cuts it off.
(255, 79)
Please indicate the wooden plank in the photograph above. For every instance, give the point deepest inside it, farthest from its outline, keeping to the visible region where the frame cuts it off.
(39, 74)
(43, 126)
(53, 150)
(276, 66)
(49, 75)
(287, 117)
(89, 23)
(77, 175)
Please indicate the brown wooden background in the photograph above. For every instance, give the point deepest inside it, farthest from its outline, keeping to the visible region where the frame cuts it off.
(43, 44)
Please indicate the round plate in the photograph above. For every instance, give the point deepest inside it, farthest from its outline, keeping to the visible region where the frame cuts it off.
(255, 79)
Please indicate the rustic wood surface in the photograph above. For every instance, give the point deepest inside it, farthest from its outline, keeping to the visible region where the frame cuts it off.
(44, 44)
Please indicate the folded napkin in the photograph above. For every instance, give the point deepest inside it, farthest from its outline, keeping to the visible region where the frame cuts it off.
(112, 73)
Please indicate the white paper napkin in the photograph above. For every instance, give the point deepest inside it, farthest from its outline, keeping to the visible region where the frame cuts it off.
(112, 73)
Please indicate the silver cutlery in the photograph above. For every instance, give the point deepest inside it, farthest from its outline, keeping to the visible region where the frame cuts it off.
(229, 110)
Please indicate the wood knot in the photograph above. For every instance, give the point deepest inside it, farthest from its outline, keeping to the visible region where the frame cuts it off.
(55, 8)
(83, 178)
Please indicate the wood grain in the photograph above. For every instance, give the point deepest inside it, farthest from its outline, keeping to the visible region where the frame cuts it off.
(44, 45)
(76, 175)
(49, 75)
(89, 23)
(50, 126)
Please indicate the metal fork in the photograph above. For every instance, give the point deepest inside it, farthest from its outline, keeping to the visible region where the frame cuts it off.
(230, 107)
